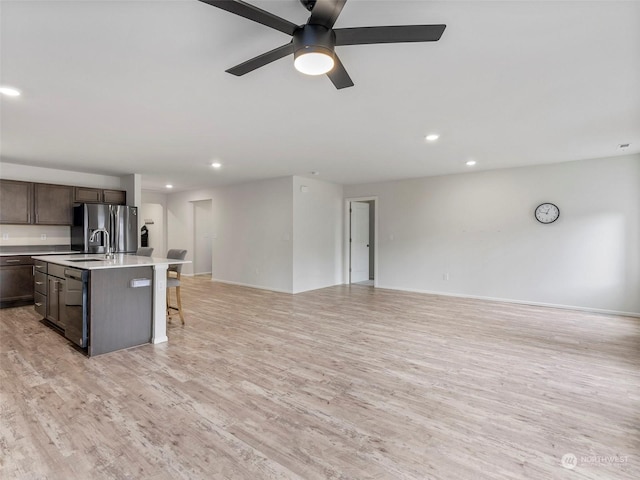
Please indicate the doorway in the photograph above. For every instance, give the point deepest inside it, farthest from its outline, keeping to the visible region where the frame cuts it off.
(361, 241)
(153, 215)
(203, 245)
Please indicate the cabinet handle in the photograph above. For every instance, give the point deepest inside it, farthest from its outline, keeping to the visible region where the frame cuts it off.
(13, 261)
(39, 266)
(39, 283)
(38, 304)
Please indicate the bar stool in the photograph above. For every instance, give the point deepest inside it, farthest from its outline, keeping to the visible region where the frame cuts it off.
(173, 281)
(144, 251)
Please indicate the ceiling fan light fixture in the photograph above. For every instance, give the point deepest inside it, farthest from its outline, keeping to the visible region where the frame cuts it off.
(313, 49)
(313, 62)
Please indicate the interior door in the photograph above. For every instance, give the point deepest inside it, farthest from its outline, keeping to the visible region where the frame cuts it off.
(359, 242)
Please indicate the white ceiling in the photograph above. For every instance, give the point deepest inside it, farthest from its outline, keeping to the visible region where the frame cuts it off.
(121, 87)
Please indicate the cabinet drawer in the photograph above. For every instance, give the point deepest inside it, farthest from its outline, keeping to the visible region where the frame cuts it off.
(40, 266)
(40, 304)
(16, 260)
(40, 283)
(56, 270)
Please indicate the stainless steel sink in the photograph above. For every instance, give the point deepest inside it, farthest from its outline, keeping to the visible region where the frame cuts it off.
(86, 260)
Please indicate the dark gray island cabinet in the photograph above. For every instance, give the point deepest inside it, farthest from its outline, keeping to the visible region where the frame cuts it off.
(120, 309)
(103, 305)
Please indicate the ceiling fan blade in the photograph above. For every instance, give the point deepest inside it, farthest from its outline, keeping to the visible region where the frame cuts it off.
(325, 12)
(392, 34)
(254, 13)
(261, 60)
(338, 75)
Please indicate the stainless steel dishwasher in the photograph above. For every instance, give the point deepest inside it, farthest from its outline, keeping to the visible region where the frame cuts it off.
(74, 306)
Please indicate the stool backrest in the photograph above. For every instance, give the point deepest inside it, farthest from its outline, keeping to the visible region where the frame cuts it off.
(144, 251)
(177, 255)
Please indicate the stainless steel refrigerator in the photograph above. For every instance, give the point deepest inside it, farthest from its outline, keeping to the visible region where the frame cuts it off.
(120, 221)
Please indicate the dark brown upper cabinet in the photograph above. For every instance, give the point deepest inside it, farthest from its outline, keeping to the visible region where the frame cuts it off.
(87, 195)
(97, 195)
(43, 204)
(117, 197)
(16, 202)
(53, 204)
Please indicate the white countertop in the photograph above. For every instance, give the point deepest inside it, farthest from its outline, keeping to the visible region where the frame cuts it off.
(85, 262)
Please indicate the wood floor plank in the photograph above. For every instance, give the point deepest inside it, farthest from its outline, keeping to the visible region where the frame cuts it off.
(347, 382)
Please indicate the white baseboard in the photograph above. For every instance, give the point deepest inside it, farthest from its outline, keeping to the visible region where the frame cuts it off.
(250, 285)
(520, 302)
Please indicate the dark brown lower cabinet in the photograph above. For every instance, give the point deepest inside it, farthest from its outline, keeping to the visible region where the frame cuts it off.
(16, 281)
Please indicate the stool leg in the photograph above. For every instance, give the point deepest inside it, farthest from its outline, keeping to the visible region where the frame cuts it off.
(179, 304)
(168, 303)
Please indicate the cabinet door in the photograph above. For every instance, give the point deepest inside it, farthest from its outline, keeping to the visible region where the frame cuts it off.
(53, 204)
(87, 195)
(117, 197)
(53, 299)
(16, 202)
(16, 285)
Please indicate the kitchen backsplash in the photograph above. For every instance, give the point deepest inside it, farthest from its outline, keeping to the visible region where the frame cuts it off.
(34, 235)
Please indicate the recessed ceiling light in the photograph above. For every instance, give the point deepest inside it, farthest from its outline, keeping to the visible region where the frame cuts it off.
(9, 91)
(168, 185)
(216, 165)
(471, 163)
(432, 137)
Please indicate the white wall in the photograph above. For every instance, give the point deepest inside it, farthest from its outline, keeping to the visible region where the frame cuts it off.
(179, 221)
(317, 234)
(252, 232)
(253, 226)
(55, 234)
(154, 208)
(27, 173)
(479, 229)
(154, 213)
(202, 242)
(133, 185)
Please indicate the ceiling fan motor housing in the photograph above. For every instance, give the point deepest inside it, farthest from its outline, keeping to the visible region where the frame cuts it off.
(313, 38)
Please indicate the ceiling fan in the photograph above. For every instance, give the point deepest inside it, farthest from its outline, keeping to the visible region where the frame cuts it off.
(313, 44)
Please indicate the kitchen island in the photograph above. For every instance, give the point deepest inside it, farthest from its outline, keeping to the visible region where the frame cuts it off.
(101, 304)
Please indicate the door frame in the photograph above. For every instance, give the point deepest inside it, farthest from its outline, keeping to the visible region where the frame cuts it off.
(347, 234)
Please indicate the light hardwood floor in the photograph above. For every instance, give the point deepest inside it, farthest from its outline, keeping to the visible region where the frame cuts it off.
(339, 383)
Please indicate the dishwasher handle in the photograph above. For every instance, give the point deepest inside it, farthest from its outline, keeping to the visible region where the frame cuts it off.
(75, 274)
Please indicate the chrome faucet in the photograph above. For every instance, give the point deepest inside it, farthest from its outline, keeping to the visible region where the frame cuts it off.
(92, 238)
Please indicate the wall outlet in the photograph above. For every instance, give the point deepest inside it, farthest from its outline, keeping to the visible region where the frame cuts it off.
(445, 276)
(5, 236)
(43, 236)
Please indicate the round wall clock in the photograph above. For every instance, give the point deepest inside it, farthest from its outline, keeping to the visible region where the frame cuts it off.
(547, 213)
